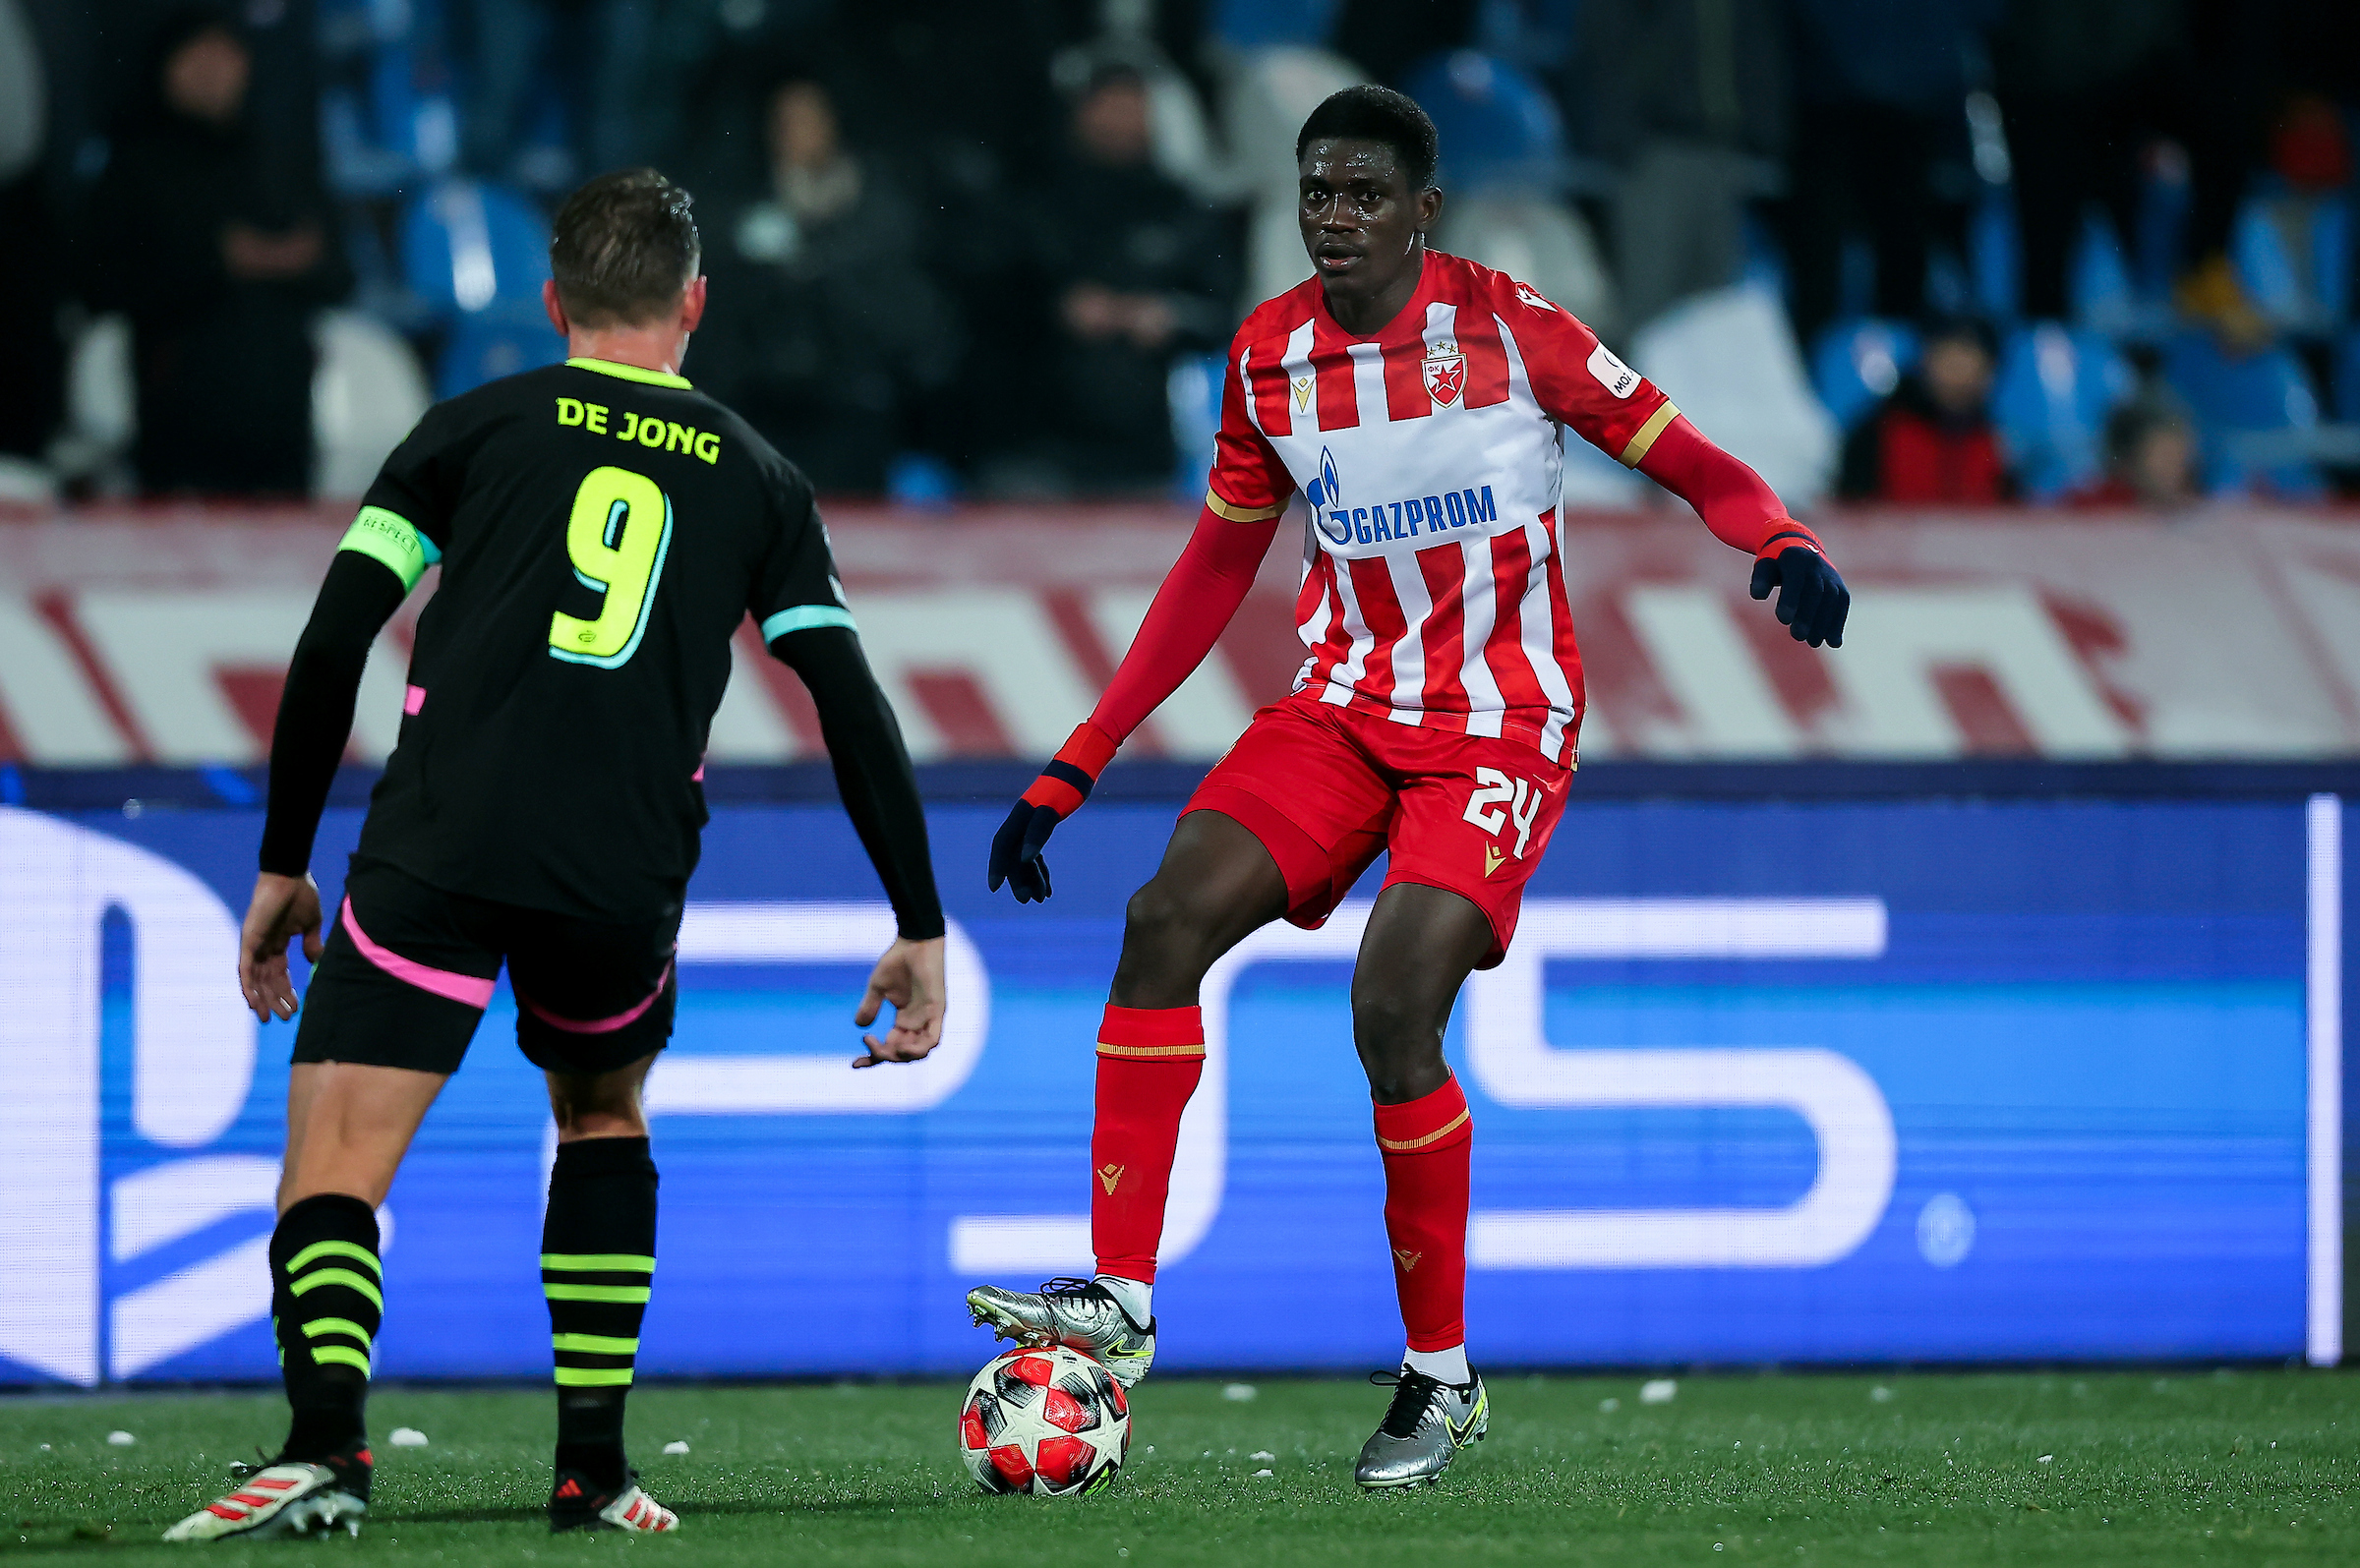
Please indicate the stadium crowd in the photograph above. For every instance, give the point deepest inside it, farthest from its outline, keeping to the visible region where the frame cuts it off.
(1953, 251)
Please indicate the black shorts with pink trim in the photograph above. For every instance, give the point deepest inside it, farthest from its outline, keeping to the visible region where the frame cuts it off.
(410, 968)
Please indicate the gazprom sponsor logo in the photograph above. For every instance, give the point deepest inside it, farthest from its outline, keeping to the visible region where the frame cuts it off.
(1411, 517)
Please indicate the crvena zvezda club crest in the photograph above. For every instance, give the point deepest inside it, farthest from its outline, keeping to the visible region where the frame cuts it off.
(1446, 372)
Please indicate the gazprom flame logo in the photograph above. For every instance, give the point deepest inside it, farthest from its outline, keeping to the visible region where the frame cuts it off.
(1326, 495)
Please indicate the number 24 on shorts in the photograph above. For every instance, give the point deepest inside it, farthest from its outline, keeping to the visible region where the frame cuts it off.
(1499, 799)
(615, 537)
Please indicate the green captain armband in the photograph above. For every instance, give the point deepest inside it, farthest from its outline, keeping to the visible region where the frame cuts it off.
(390, 538)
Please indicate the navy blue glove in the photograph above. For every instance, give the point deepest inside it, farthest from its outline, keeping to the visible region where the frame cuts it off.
(1812, 600)
(1016, 849)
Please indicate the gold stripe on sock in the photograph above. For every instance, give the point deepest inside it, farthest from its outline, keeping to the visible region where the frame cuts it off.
(1149, 1052)
(1413, 1145)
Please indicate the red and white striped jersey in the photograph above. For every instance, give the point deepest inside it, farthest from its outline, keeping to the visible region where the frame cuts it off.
(1426, 464)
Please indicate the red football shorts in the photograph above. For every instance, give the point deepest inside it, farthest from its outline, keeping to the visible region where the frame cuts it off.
(1326, 789)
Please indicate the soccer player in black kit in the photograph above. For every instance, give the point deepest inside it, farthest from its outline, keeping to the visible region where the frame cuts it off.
(602, 530)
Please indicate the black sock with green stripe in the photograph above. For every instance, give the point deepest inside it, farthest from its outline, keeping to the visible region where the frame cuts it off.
(327, 1302)
(598, 1257)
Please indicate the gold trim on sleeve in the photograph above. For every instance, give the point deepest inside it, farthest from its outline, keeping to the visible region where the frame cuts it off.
(1656, 422)
(1238, 514)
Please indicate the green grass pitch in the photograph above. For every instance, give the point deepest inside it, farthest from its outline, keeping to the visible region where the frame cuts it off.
(2079, 1468)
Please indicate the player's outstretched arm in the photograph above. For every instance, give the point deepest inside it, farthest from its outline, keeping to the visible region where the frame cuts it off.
(1199, 597)
(880, 794)
(315, 720)
(1745, 513)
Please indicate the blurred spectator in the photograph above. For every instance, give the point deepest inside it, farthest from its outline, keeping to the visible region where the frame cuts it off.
(1687, 99)
(603, 51)
(33, 391)
(824, 330)
(2151, 457)
(1879, 123)
(1932, 440)
(219, 267)
(1136, 276)
(2090, 88)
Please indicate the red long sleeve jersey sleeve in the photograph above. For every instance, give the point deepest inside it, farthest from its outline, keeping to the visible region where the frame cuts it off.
(1423, 466)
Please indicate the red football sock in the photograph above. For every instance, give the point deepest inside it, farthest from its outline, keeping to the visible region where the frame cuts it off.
(1148, 1061)
(1426, 1144)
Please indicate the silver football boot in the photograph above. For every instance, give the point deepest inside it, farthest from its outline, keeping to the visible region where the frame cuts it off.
(1427, 1424)
(1069, 1312)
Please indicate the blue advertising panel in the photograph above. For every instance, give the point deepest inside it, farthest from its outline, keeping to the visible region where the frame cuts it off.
(1809, 1081)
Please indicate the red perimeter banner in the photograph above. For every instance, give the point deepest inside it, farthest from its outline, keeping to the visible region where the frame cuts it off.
(161, 635)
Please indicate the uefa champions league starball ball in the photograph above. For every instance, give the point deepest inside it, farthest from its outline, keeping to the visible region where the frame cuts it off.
(1045, 1420)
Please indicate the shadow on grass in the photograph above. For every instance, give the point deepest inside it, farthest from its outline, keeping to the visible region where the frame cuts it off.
(689, 1512)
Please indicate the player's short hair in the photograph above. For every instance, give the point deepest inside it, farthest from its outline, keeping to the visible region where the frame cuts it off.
(622, 249)
(1378, 114)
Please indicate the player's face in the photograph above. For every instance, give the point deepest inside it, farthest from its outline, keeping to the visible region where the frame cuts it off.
(1361, 223)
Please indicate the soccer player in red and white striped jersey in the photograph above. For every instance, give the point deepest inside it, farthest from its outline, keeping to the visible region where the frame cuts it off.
(1404, 412)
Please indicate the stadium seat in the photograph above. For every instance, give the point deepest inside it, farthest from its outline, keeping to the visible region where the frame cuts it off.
(102, 408)
(1996, 257)
(1265, 96)
(1500, 128)
(1729, 360)
(465, 244)
(1263, 23)
(2056, 389)
(1538, 241)
(2294, 254)
(2347, 377)
(366, 393)
(2239, 398)
(2099, 283)
(1194, 390)
(1857, 363)
(485, 346)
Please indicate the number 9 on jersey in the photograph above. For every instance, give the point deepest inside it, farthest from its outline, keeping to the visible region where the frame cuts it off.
(615, 537)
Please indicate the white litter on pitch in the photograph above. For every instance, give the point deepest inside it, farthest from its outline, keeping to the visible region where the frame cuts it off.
(1658, 1391)
(1239, 1392)
(1881, 1395)
(676, 1446)
(1264, 1474)
(1610, 1406)
(1262, 1453)
(121, 1439)
(2044, 1458)
(407, 1437)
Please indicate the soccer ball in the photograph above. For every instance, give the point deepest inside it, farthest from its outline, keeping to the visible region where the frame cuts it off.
(1045, 1420)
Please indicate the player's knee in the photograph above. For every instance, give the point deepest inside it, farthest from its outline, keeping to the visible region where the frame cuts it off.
(1164, 917)
(1400, 1042)
(586, 1107)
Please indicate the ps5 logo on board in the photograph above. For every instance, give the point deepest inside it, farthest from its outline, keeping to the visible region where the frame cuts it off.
(135, 1237)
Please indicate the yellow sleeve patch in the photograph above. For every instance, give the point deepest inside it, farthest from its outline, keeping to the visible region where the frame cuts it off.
(389, 537)
(1238, 514)
(1656, 422)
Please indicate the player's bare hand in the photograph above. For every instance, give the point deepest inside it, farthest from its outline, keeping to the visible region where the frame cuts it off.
(283, 909)
(910, 976)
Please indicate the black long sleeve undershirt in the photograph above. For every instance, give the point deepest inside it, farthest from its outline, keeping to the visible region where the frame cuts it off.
(872, 770)
(314, 709)
(857, 723)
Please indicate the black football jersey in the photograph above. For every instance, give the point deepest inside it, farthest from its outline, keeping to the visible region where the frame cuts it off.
(602, 530)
